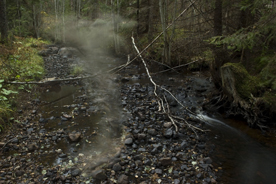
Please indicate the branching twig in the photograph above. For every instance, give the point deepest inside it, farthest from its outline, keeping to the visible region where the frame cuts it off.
(160, 101)
(8, 142)
(152, 42)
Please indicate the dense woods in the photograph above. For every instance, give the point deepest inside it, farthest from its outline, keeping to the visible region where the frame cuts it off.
(137, 91)
(211, 33)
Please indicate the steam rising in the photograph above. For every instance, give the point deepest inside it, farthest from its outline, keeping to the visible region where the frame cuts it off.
(95, 41)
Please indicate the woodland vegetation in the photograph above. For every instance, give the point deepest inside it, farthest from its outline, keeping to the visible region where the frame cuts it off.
(234, 39)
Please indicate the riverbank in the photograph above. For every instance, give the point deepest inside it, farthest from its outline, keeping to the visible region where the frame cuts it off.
(93, 132)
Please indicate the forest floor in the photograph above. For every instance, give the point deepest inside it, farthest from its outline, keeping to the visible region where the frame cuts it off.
(108, 130)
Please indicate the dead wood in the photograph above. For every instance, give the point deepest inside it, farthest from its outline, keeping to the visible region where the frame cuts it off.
(161, 101)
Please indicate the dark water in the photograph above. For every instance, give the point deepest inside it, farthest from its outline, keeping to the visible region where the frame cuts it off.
(241, 152)
(244, 154)
(95, 137)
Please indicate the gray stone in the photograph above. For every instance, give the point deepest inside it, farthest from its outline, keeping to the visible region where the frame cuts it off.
(19, 173)
(141, 150)
(141, 136)
(74, 136)
(62, 155)
(117, 167)
(152, 132)
(76, 172)
(167, 125)
(168, 133)
(32, 146)
(158, 171)
(207, 160)
(99, 174)
(123, 179)
(165, 161)
(176, 181)
(128, 141)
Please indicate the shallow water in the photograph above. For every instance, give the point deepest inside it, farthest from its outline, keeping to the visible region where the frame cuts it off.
(95, 137)
(241, 151)
(245, 155)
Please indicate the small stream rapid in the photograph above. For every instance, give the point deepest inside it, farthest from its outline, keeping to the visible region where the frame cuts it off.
(241, 151)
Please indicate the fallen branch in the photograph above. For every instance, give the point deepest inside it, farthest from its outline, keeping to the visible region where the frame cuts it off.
(179, 66)
(160, 100)
(8, 142)
(49, 80)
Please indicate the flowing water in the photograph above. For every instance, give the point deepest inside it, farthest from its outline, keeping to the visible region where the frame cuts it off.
(244, 154)
(241, 151)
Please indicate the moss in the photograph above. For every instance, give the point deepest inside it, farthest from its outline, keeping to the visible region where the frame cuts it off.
(245, 83)
(269, 98)
(268, 74)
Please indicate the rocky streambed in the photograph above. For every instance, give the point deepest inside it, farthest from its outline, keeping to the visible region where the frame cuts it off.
(107, 129)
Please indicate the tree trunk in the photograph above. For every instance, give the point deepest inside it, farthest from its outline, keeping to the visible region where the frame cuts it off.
(164, 17)
(138, 16)
(150, 17)
(219, 54)
(18, 4)
(218, 18)
(3, 22)
(63, 21)
(56, 25)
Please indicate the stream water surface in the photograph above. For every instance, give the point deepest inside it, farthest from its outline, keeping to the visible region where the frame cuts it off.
(244, 154)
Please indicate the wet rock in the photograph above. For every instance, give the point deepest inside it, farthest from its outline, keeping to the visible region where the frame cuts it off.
(141, 136)
(158, 171)
(168, 133)
(15, 140)
(166, 161)
(183, 145)
(62, 155)
(167, 125)
(75, 172)
(42, 120)
(68, 52)
(99, 174)
(176, 181)
(123, 179)
(44, 53)
(66, 116)
(19, 173)
(199, 175)
(207, 160)
(141, 150)
(117, 167)
(128, 141)
(32, 146)
(152, 132)
(213, 180)
(74, 136)
(201, 146)
(30, 130)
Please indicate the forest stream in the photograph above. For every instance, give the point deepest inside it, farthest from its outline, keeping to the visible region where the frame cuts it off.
(76, 127)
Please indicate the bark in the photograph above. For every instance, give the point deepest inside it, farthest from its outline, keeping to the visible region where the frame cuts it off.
(3, 22)
(138, 16)
(164, 18)
(63, 21)
(56, 15)
(150, 18)
(218, 18)
(220, 54)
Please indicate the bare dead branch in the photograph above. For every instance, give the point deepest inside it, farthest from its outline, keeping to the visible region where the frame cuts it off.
(152, 42)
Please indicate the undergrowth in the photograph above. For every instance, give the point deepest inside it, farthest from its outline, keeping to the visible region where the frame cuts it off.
(19, 61)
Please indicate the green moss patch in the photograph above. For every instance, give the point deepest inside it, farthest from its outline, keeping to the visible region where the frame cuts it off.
(245, 83)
